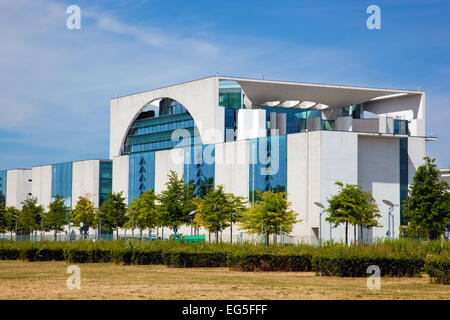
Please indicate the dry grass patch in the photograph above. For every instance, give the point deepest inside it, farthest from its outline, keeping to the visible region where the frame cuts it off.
(47, 280)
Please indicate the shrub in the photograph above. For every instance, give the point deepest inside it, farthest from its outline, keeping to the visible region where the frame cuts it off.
(438, 268)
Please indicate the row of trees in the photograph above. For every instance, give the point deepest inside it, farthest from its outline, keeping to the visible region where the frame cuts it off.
(427, 209)
(33, 217)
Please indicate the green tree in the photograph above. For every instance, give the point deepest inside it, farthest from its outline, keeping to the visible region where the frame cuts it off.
(132, 214)
(272, 212)
(84, 214)
(3, 218)
(55, 218)
(176, 202)
(218, 210)
(12, 215)
(114, 211)
(30, 216)
(427, 207)
(144, 211)
(352, 205)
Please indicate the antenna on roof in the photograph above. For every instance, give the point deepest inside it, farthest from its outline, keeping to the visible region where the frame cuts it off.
(263, 76)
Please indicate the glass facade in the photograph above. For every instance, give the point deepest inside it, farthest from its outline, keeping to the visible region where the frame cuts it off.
(403, 175)
(354, 111)
(268, 165)
(62, 182)
(199, 167)
(141, 174)
(231, 96)
(400, 126)
(105, 184)
(295, 118)
(152, 133)
(3, 174)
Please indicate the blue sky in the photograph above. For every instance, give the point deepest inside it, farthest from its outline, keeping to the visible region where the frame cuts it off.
(56, 83)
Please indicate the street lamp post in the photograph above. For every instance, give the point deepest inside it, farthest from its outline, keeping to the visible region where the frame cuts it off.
(322, 208)
(391, 209)
(190, 215)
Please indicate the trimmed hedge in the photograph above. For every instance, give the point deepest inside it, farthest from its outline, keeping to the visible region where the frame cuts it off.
(438, 268)
(395, 258)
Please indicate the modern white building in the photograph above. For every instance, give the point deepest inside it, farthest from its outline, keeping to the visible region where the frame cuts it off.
(249, 134)
(444, 175)
(70, 180)
(15, 186)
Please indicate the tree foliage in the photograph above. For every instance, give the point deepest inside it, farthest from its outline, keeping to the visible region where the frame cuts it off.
(55, 218)
(427, 207)
(175, 202)
(114, 211)
(30, 216)
(218, 210)
(271, 212)
(352, 205)
(84, 213)
(143, 212)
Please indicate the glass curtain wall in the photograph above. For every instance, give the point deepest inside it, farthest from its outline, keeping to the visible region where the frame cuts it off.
(268, 165)
(3, 174)
(62, 182)
(151, 133)
(199, 167)
(105, 184)
(141, 174)
(403, 175)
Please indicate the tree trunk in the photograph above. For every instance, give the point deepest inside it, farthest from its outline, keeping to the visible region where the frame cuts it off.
(117, 233)
(354, 233)
(231, 233)
(54, 234)
(209, 236)
(217, 236)
(346, 233)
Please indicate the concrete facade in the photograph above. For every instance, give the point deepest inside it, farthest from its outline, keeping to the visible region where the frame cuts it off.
(85, 181)
(18, 187)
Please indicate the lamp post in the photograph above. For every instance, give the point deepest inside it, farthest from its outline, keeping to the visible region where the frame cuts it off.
(391, 209)
(42, 219)
(69, 215)
(190, 215)
(322, 207)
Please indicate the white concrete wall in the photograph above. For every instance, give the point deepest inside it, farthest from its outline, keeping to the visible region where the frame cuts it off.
(232, 171)
(379, 173)
(85, 181)
(297, 180)
(42, 184)
(338, 162)
(199, 97)
(121, 175)
(416, 153)
(18, 187)
(251, 123)
(165, 161)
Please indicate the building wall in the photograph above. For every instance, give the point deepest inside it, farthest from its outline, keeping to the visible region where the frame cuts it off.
(338, 162)
(379, 173)
(120, 175)
(199, 97)
(42, 184)
(297, 180)
(85, 181)
(18, 187)
(165, 161)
